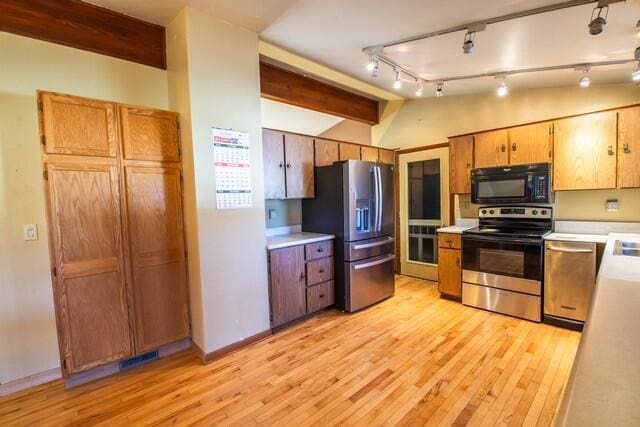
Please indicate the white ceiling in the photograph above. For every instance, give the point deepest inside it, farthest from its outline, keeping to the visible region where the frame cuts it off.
(333, 33)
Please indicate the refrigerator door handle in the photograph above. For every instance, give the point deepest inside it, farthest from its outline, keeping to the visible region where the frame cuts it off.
(380, 207)
(378, 198)
(373, 263)
(374, 244)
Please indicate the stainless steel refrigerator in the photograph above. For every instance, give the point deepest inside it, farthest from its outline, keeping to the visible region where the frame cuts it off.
(354, 200)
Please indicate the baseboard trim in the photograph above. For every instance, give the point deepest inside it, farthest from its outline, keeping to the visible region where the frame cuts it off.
(231, 348)
(30, 381)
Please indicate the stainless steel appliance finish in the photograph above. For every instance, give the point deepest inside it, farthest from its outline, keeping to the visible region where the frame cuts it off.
(515, 184)
(569, 279)
(502, 260)
(355, 202)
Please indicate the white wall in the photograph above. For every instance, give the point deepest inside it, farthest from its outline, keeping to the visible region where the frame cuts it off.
(215, 81)
(28, 339)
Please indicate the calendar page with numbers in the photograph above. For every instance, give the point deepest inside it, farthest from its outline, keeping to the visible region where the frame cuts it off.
(232, 168)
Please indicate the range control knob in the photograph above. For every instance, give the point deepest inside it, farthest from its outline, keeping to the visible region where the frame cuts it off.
(491, 211)
(484, 211)
(543, 212)
(535, 212)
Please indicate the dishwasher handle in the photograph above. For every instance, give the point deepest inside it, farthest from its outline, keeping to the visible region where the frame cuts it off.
(570, 250)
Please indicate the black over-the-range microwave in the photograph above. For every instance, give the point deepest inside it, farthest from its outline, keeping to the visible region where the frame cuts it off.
(515, 184)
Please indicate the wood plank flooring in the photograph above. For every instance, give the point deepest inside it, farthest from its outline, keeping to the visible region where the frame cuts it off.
(414, 359)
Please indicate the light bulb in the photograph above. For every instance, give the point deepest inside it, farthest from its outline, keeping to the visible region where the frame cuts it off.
(502, 90)
(397, 84)
(585, 81)
(371, 64)
(419, 90)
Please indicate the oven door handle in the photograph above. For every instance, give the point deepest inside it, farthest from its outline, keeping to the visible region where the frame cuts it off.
(500, 240)
(571, 251)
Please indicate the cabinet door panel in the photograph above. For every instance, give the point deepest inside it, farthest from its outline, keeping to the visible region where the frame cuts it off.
(149, 134)
(154, 211)
(326, 152)
(320, 296)
(287, 280)
(369, 154)
(273, 156)
(460, 164)
(79, 126)
(530, 144)
(449, 272)
(387, 156)
(298, 154)
(585, 152)
(629, 148)
(349, 151)
(89, 288)
(490, 149)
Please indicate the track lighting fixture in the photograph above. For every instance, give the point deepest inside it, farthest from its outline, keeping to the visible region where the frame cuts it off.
(373, 66)
(638, 28)
(635, 76)
(397, 84)
(503, 90)
(439, 91)
(468, 43)
(419, 89)
(585, 80)
(599, 17)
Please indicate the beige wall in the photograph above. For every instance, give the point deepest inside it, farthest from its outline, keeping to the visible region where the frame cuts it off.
(431, 121)
(28, 339)
(215, 82)
(349, 130)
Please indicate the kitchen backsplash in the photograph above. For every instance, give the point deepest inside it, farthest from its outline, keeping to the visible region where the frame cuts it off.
(280, 213)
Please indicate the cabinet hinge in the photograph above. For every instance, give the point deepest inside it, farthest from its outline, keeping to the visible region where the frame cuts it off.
(45, 175)
(40, 107)
(55, 272)
(185, 253)
(43, 140)
(64, 364)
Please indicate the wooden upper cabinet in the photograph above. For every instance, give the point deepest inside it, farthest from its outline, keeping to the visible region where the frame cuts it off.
(585, 152)
(287, 284)
(369, 154)
(629, 147)
(78, 126)
(273, 159)
(491, 149)
(326, 152)
(149, 134)
(298, 155)
(349, 151)
(89, 284)
(157, 257)
(530, 143)
(460, 164)
(387, 156)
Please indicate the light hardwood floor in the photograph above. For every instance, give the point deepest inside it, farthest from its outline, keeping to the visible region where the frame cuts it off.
(414, 359)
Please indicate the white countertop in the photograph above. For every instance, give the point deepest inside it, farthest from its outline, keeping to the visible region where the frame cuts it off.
(604, 387)
(294, 239)
(454, 229)
(575, 237)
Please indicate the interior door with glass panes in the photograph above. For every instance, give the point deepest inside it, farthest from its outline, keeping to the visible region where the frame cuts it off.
(424, 207)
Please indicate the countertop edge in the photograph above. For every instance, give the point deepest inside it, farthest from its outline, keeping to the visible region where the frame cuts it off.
(301, 241)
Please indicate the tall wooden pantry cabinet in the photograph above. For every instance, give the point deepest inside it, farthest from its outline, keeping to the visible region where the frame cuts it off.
(113, 187)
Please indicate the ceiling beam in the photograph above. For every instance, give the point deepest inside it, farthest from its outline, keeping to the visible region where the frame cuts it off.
(296, 89)
(84, 26)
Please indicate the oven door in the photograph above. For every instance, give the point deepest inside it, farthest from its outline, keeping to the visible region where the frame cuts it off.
(502, 188)
(513, 264)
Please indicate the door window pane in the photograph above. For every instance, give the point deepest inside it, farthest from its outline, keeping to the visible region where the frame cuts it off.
(424, 210)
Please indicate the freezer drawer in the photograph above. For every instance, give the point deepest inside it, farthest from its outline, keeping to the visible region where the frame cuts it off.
(501, 301)
(569, 279)
(368, 281)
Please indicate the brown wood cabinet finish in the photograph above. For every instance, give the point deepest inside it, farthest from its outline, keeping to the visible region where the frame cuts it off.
(629, 148)
(320, 296)
(530, 143)
(287, 279)
(585, 150)
(154, 211)
(450, 240)
(319, 271)
(450, 272)
(326, 152)
(298, 155)
(369, 154)
(273, 159)
(78, 126)
(349, 151)
(88, 268)
(318, 250)
(387, 156)
(460, 164)
(490, 149)
(149, 134)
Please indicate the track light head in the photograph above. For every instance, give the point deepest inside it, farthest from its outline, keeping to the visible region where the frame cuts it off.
(585, 82)
(598, 19)
(638, 28)
(636, 54)
(635, 76)
(397, 84)
(373, 66)
(468, 43)
(503, 89)
(439, 90)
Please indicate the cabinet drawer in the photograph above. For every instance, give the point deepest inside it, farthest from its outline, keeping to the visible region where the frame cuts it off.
(318, 250)
(450, 240)
(319, 271)
(320, 296)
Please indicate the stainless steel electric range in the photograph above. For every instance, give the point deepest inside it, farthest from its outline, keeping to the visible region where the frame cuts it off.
(502, 260)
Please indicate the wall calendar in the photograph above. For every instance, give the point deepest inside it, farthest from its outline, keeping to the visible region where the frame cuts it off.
(232, 168)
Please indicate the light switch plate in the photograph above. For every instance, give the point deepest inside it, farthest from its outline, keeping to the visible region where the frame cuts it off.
(30, 232)
(273, 213)
(612, 205)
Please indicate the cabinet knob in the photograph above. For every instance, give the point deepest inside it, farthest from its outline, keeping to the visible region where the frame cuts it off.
(321, 296)
(514, 147)
(468, 166)
(281, 164)
(288, 164)
(302, 276)
(625, 148)
(503, 148)
(457, 262)
(320, 250)
(321, 271)
(610, 150)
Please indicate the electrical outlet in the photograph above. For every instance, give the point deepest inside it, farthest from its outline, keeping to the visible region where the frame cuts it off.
(30, 232)
(612, 205)
(465, 205)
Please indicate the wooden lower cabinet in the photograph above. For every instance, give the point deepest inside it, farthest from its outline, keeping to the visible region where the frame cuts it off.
(300, 282)
(449, 267)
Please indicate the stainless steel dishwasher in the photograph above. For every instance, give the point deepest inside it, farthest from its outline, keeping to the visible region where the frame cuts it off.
(569, 280)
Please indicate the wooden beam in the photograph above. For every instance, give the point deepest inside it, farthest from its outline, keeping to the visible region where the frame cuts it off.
(84, 26)
(295, 89)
